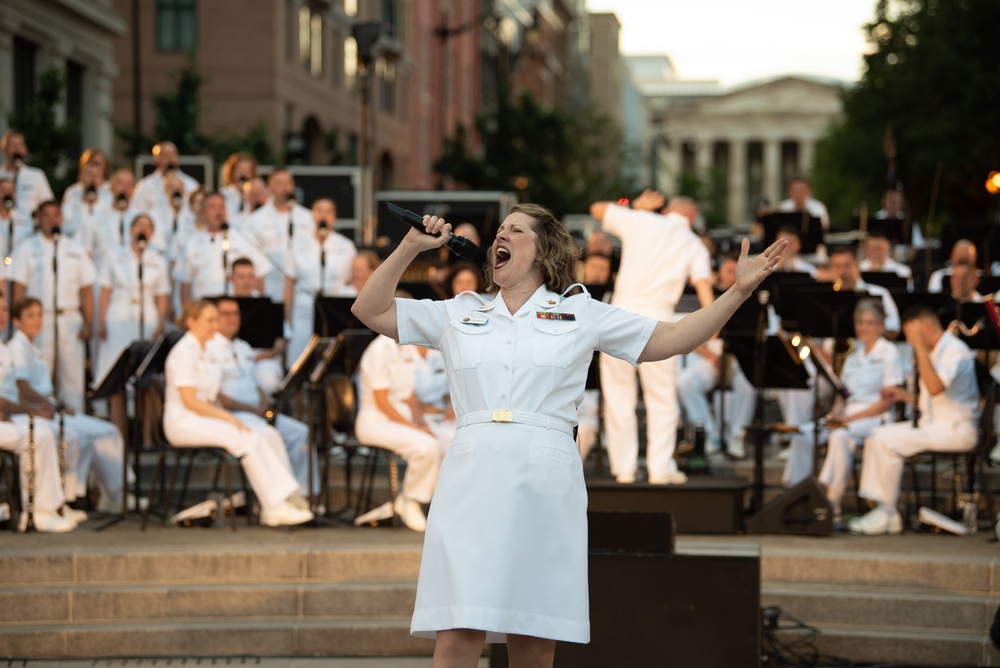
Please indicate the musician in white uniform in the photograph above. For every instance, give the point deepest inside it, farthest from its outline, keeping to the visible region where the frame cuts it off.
(120, 309)
(317, 265)
(505, 554)
(31, 183)
(241, 394)
(100, 442)
(270, 362)
(948, 402)
(15, 225)
(150, 194)
(387, 418)
(237, 173)
(32, 274)
(80, 201)
(192, 416)
(872, 365)
(277, 225)
(660, 254)
(48, 496)
(107, 229)
(208, 257)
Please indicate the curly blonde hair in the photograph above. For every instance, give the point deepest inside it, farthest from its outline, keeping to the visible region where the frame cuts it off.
(557, 252)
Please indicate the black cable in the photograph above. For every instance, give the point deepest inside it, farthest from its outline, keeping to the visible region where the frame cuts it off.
(799, 652)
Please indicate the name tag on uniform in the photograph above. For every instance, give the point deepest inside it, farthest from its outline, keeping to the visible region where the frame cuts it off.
(548, 315)
(474, 320)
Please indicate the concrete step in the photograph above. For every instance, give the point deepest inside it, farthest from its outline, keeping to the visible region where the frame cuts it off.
(907, 646)
(821, 605)
(243, 662)
(21, 606)
(214, 638)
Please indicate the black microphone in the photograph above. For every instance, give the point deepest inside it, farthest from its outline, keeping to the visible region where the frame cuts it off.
(177, 200)
(460, 246)
(121, 201)
(56, 233)
(141, 242)
(91, 194)
(18, 160)
(8, 202)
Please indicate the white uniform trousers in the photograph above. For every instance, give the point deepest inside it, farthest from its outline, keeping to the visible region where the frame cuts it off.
(70, 379)
(261, 451)
(269, 373)
(295, 436)
(302, 326)
(100, 444)
(588, 422)
(888, 447)
(48, 494)
(740, 402)
(659, 392)
(840, 452)
(694, 382)
(421, 451)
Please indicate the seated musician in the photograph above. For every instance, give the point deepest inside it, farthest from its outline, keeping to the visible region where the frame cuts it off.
(873, 364)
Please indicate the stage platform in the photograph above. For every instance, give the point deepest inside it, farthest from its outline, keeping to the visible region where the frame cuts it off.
(918, 599)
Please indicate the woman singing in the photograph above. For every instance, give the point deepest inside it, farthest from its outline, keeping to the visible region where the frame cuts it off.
(505, 554)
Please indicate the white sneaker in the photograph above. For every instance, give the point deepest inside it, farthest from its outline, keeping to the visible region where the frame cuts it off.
(375, 515)
(411, 513)
(736, 450)
(108, 506)
(78, 516)
(784, 454)
(876, 523)
(49, 522)
(995, 454)
(625, 478)
(672, 478)
(285, 515)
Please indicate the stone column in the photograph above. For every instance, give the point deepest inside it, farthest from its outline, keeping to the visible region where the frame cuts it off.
(702, 157)
(736, 204)
(807, 154)
(772, 170)
(98, 128)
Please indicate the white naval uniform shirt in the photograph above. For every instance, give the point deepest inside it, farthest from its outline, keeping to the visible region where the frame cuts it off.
(32, 268)
(814, 207)
(269, 229)
(8, 375)
(521, 362)
(865, 373)
(121, 275)
(892, 321)
(29, 365)
(148, 196)
(23, 227)
(75, 210)
(386, 365)
(238, 363)
(312, 276)
(32, 187)
(106, 230)
(430, 381)
(202, 263)
(188, 365)
(953, 362)
(659, 255)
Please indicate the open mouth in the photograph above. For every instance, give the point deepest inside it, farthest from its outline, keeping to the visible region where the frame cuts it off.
(502, 257)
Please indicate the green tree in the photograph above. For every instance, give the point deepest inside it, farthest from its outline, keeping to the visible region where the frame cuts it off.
(49, 141)
(561, 159)
(931, 88)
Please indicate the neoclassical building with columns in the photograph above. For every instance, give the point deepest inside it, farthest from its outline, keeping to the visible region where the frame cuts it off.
(757, 136)
(77, 38)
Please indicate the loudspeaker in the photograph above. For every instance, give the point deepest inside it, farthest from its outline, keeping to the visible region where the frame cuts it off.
(803, 509)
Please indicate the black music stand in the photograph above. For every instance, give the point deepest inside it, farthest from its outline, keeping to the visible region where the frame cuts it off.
(767, 362)
(332, 315)
(940, 302)
(821, 311)
(261, 321)
(810, 229)
(783, 287)
(887, 279)
(115, 382)
(896, 230)
(155, 360)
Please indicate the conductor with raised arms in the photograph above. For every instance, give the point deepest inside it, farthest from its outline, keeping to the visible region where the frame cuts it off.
(505, 554)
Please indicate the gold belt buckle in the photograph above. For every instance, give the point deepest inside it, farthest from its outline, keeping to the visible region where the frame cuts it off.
(503, 416)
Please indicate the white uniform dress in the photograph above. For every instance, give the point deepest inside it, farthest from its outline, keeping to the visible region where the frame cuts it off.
(22, 227)
(99, 441)
(947, 423)
(275, 232)
(32, 268)
(864, 373)
(76, 210)
(31, 187)
(208, 259)
(648, 284)
(262, 453)
(239, 383)
(316, 269)
(386, 365)
(121, 275)
(149, 196)
(49, 494)
(506, 543)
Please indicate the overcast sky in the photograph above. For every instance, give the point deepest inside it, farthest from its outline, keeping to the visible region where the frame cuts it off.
(741, 40)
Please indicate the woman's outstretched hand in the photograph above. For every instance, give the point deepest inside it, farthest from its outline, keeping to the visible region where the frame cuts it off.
(750, 271)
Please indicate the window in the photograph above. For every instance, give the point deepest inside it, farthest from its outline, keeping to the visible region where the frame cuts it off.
(386, 73)
(75, 73)
(25, 54)
(176, 25)
(311, 40)
(351, 7)
(350, 63)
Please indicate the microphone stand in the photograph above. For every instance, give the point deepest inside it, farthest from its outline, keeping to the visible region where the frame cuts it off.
(56, 234)
(225, 258)
(760, 432)
(7, 260)
(142, 300)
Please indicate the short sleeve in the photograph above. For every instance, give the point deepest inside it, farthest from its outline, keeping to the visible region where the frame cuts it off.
(20, 265)
(892, 369)
(421, 322)
(86, 268)
(700, 267)
(616, 219)
(375, 372)
(104, 276)
(182, 367)
(949, 365)
(21, 360)
(163, 286)
(620, 333)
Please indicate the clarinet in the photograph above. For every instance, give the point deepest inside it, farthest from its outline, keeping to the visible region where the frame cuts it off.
(916, 396)
(63, 446)
(30, 471)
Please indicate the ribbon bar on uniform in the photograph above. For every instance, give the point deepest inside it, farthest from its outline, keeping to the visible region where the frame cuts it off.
(502, 416)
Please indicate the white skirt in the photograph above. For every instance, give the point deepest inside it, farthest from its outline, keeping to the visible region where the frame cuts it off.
(506, 543)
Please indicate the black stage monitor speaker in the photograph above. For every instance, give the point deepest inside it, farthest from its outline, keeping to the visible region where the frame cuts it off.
(803, 509)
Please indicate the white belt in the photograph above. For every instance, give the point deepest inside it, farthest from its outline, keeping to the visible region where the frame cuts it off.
(479, 417)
